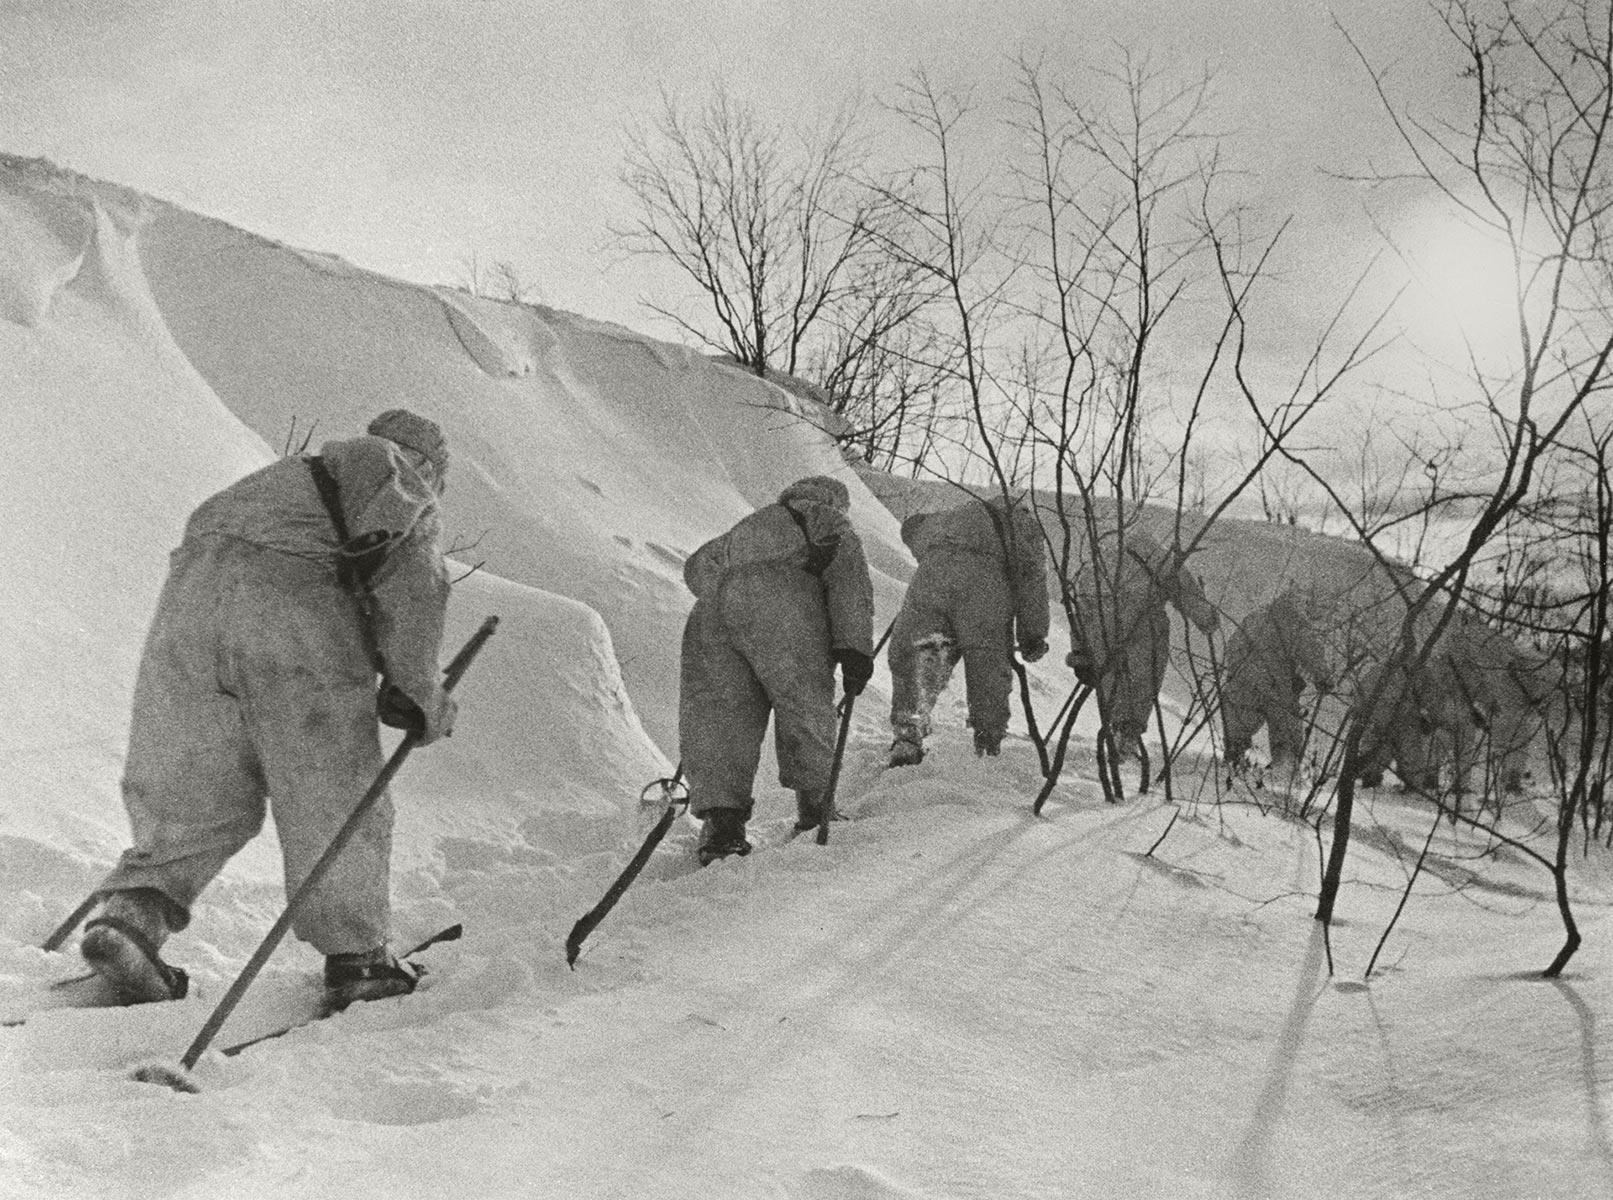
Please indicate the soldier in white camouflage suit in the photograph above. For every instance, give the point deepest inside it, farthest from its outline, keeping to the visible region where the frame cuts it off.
(1271, 657)
(257, 689)
(981, 583)
(1479, 699)
(780, 599)
(1121, 639)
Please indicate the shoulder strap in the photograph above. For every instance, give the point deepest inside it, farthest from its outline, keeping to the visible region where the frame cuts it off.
(354, 564)
(331, 494)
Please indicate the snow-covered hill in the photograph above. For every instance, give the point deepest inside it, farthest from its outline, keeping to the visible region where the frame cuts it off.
(953, 999)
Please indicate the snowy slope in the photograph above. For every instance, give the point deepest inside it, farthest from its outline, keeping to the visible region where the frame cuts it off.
(675, 448)
(952, 1000)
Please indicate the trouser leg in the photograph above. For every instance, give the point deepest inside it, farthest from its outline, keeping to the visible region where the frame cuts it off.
(800, 685)
(191, 782)
(936, 655)
(1239, 724)
(988, 675)
(910, 714)
(1285, 728)
(1140, 672)
(908, 717)
(984, 629)
(921, 659)
(321, 750)
(722, 718)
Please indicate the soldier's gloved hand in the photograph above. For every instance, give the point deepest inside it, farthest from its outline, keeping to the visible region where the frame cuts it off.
(397, 711)
(1032, 649)
(856, 669)
(1085, 670)
(440, 720)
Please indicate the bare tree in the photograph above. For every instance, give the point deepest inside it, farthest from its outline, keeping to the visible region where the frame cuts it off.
(500, 280)
(949, 242)
(1057, 298)
(887, 385)
(1136, 257)
(1529, 163)
(505, 283)
(775, 230)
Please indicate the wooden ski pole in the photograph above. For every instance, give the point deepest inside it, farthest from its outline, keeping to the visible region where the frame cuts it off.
(590, 920)
(65, 929)
(320, 869)
(826, 814)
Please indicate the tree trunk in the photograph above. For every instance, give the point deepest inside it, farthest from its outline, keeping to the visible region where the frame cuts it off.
(1342, 813)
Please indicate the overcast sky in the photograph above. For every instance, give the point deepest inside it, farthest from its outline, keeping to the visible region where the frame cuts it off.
(407, 135)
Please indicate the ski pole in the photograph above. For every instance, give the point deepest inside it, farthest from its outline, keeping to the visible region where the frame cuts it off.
(590, 920)
(827, 812)
(294, 906)
(65, 929)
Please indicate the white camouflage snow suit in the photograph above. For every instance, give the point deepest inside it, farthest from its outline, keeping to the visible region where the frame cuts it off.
(1271, 656)
(1479, 699)
(979, 573)
(775, 597)
(1121, 639)
(258, 683)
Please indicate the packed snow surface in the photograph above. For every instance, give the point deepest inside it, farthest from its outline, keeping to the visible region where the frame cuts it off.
(952, 999)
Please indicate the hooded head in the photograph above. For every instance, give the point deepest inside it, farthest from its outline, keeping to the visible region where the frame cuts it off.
(818, 489)
(910, 528)
(415, 433)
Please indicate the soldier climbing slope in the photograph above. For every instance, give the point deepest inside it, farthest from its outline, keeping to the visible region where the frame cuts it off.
(779, 600)
(292, 590)
(981, 573)
(1120, 581)
(1271, 657)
